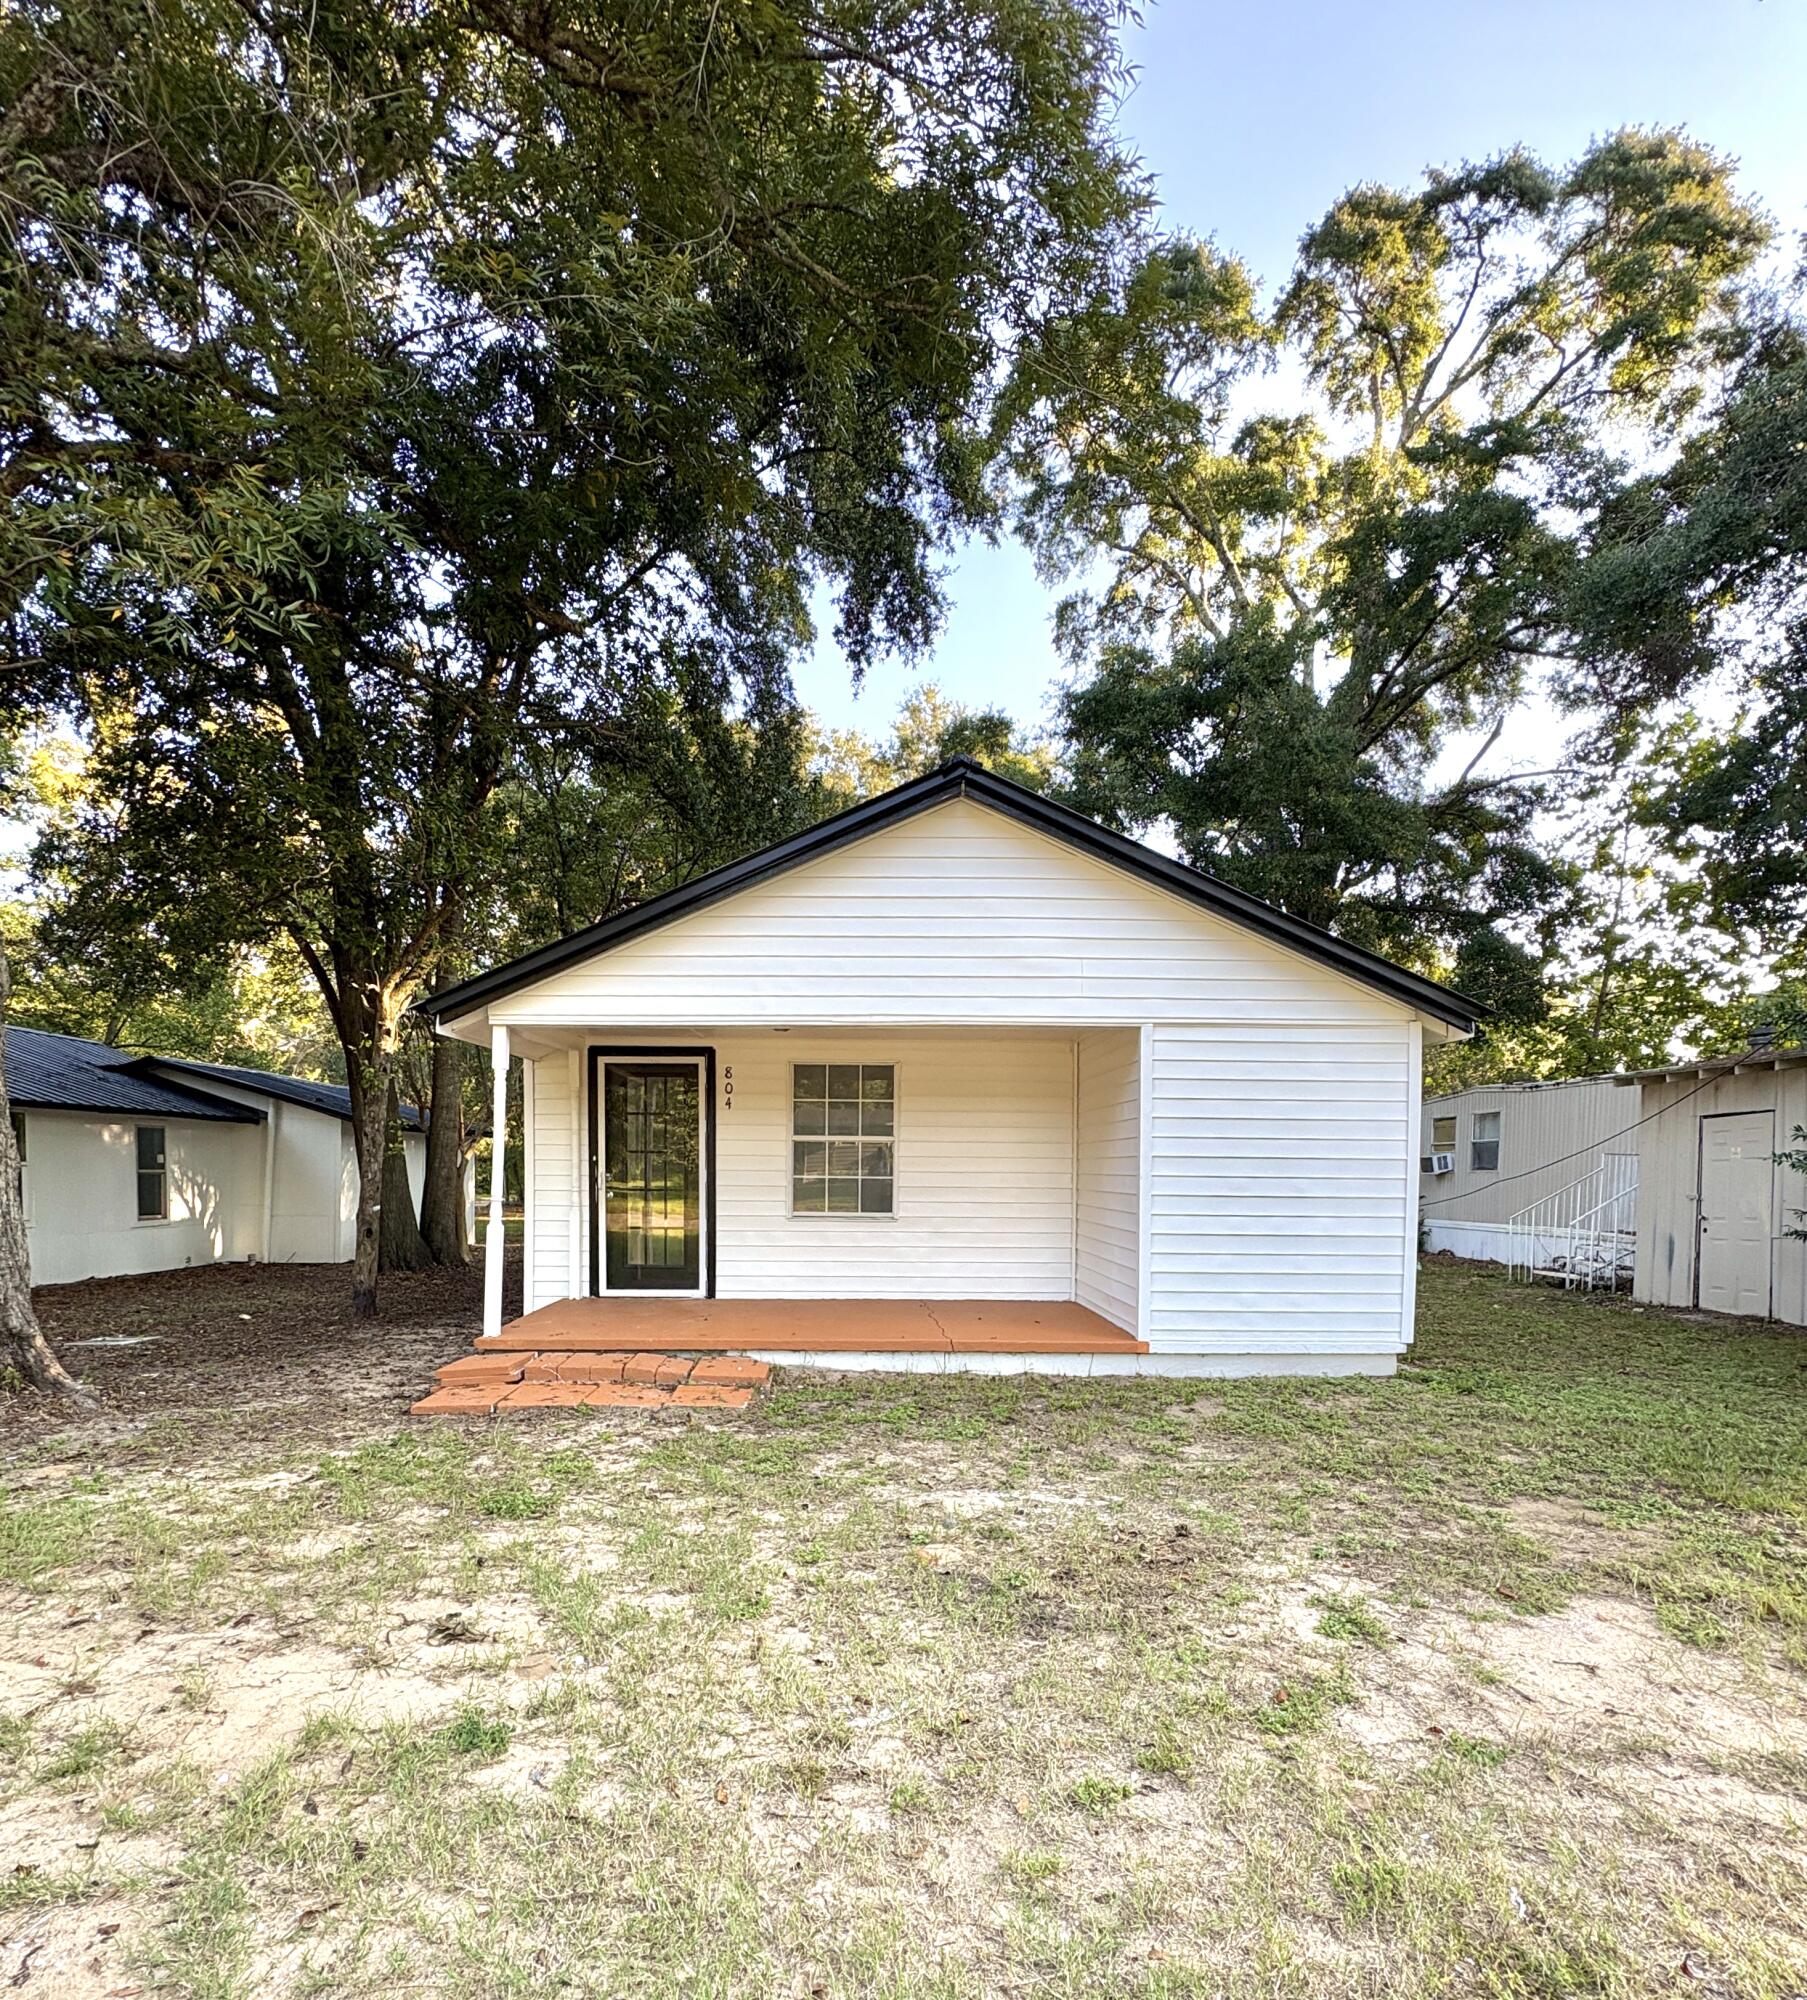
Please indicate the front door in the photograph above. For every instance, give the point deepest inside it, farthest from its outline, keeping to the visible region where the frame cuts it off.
(652, 1179)
(1737, 1179)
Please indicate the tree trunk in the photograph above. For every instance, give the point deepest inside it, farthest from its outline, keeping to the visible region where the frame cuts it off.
(22, 1341)
(369, 1064)
(399, 1245)
(442, 1196)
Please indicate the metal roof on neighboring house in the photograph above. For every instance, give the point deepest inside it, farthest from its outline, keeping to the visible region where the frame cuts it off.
(1711, 1066)
(965, 777)
(334, 1099)
(46, 1072)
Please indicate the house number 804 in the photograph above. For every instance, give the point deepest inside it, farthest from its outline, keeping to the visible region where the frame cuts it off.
(728, 1088)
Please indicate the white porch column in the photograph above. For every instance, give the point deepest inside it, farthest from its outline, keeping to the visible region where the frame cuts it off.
(493, 1240)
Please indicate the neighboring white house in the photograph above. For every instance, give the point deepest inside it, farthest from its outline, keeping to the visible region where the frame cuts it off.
(960, 1044)
(1500, 1151)
(1715, 1205)
(146, 1163)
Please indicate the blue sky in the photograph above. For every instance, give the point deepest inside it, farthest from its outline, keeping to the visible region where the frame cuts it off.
(1254, 119)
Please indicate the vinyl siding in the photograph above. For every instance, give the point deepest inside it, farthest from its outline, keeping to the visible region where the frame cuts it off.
(958, 915)
(985, 1189)
(555, 1181)
(1280, 1168)
(1107, 1163)
(984, 1174)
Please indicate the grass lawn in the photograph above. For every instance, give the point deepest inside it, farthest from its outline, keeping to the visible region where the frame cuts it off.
(1490, 1679)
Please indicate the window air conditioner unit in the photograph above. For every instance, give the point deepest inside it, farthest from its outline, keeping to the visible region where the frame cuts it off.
(1441, 1163)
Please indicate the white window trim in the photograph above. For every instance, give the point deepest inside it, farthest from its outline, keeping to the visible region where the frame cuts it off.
(792, 1136)
(1475, 1139)
(1454, 1123)
(704, 1111)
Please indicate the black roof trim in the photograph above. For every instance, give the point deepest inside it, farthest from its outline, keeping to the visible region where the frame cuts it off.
(46, 1071)
(965, 777)
(332, 1100)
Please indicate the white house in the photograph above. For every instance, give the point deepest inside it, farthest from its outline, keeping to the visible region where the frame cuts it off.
(959, 1078)
(147, 1163)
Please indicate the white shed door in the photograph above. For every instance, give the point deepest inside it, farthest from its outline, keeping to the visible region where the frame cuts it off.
(1737, 1175)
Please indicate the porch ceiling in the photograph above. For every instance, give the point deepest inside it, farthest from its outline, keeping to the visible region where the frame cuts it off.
(814, 1326)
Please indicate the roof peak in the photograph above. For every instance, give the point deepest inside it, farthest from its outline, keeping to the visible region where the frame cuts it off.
(965, 777)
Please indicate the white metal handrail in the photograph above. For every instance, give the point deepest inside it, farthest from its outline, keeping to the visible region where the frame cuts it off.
(1584, 1234)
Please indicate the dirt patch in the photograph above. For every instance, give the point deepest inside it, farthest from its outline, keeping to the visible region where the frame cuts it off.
(74, 1953)
(264, 1339)
(1576, 1534)
(1021, 1689)
(1584, 1681)
(220, 1700)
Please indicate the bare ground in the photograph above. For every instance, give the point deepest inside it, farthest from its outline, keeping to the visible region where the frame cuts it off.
(1486, 1680)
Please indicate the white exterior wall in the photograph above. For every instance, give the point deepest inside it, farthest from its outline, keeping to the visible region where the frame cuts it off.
(1107, 1225)
(1276, 1104)
(81, 1195)
(1279, 1174)
(959, 915)
(310, 1221)
(314, 1177)
(1282, 1165)
(555, 1255)
(984, 1194)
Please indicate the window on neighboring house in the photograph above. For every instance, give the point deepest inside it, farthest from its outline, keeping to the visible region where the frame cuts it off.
(153, 1175)
(19, 1144)
(1484, 1143)
(1443, 1140)
(843, 1138)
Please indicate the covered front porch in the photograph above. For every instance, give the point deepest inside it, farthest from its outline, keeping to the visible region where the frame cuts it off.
(913, 1196)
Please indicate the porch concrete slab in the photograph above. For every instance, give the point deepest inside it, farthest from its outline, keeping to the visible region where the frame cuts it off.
(777, 1327)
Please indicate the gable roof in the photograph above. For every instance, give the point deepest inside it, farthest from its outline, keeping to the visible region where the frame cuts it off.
(46, 1072)
(965, 778)
(333, 1099)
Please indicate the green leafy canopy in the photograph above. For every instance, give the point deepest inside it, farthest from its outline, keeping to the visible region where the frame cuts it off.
(1291, 613)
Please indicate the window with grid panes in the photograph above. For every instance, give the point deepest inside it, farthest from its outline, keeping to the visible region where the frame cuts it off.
(843, 1138)
(153, 1175)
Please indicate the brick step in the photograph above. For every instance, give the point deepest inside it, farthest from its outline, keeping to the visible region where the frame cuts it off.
(475, 1385)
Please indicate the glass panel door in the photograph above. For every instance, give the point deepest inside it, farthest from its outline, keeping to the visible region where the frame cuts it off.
(652, 1194)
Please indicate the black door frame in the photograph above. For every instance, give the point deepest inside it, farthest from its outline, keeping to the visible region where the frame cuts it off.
(600, 1053)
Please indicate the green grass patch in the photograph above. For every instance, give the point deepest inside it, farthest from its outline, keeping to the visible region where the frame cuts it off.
(1097, 1796)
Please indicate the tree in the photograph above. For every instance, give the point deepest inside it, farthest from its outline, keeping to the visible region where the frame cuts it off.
(21, 1338)
(1697, 579)
(930, 730)
(257, 1009)
(394, 386)
(1304, 611)
(400, 1246)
